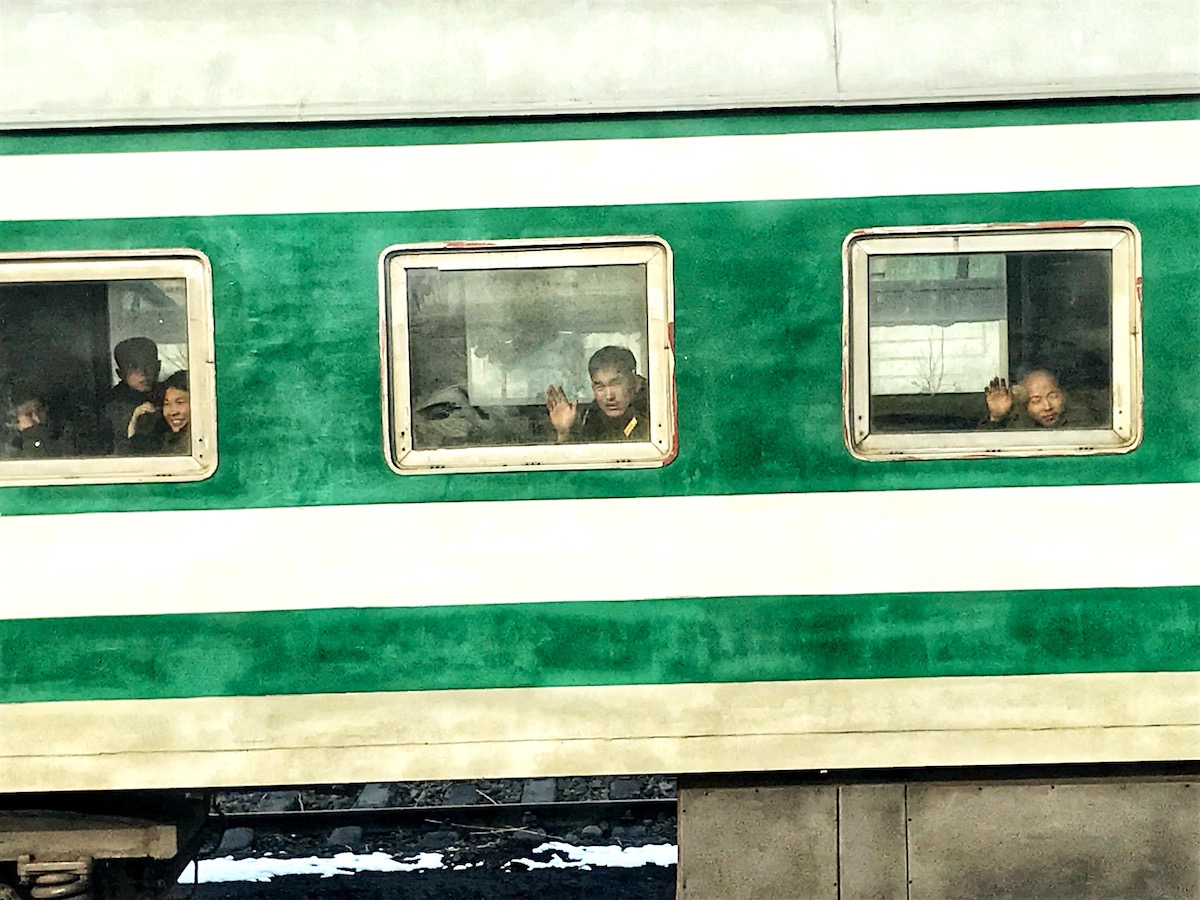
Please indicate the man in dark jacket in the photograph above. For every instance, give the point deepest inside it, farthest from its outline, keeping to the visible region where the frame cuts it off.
(137, 367)
(620, 409)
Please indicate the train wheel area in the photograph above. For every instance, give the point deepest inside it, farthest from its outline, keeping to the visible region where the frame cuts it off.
(1089, 832)
(544, 837)
(98, 846)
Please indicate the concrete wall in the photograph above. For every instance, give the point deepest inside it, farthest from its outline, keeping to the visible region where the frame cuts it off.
(1067, 838)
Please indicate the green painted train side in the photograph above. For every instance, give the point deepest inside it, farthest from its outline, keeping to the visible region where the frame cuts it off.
(306, 634)
(673, 641)
(758, 318)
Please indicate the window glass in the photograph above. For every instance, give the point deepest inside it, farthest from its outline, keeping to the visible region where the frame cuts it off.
(997, 340)
(528, 354)
(105, 368)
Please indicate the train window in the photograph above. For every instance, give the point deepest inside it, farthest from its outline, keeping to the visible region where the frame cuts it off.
(106, 367)
(977, 340)
(550, 354)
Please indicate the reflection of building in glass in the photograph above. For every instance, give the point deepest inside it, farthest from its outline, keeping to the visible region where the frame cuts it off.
(942, 326)
(527, 328)
(939, 324)
(155, 309)
(556, 361)
(492, 340)
(944, 343)
(488, 351)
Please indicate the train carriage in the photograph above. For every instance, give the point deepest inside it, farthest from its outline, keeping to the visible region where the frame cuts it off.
(811, 562)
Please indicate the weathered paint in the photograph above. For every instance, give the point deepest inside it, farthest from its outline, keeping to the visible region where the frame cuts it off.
(758, 316)
(518, 732)
(673, 641)
(302, 378)
(647, 126)
(362, 60)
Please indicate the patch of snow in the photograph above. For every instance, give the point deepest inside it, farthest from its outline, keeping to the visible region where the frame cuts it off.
(586, 857)
(565, 856)
(264, 869)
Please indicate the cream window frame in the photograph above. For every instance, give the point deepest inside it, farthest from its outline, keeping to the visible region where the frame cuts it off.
(652, 252)
(1121, 238)
(194, 269)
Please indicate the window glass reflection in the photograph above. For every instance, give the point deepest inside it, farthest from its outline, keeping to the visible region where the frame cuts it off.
(1018, 340)
(508, 356)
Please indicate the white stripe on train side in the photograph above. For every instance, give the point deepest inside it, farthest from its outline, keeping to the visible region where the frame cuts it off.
(601, 172)
(445, 554)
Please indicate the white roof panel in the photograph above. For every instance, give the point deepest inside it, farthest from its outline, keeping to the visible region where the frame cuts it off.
(146, 62)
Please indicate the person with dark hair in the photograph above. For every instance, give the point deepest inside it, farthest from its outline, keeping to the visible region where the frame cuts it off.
(137, 368)
(1036, 401)
(619, 411)
(35, 436)
(162, 426)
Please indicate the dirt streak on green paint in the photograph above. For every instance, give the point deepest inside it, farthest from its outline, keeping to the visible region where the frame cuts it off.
(597, 643)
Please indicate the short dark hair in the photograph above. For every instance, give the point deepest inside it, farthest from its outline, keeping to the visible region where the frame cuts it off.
(177, 380)
(136, 354)
(610, 357)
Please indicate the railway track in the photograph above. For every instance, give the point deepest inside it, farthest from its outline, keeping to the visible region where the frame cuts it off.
(559, 811)
(367, 816)
(488, 848)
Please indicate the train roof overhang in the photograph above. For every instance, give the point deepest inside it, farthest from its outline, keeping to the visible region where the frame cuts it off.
(79, 63)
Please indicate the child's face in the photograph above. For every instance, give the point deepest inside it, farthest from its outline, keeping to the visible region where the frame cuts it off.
(177, 409)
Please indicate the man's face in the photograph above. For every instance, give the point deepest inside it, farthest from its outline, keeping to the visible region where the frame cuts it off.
(1046, 399)
(140, 380)
(613, 390)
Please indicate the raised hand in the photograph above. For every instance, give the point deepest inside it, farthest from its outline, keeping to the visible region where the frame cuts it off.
(562, 411)
(999, 399)
(141, 410)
